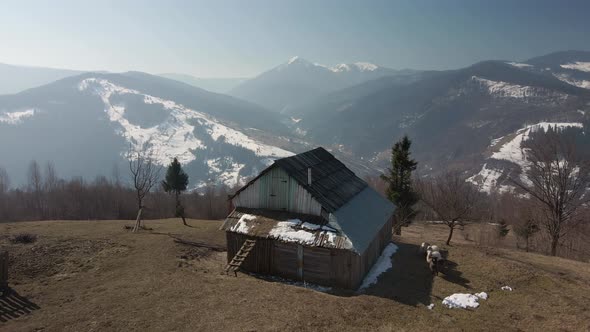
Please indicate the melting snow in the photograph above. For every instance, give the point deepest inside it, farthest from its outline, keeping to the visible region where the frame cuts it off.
(461, 300)
(382, 265)
(174, 137)
(507, 288)
(17, 117)
(482, 295)
(430, 306)
(578, 65)
(242, 226)
(285, 231)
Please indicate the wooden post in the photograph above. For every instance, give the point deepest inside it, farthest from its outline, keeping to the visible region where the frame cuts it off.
(3, 270)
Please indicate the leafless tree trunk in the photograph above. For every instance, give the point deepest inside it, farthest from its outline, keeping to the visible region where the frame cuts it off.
(36, 188)
(451, 198)
(4, 187)
(558, 179)
(145, 174)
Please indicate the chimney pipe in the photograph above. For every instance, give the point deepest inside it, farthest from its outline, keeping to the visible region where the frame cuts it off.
(309, 176)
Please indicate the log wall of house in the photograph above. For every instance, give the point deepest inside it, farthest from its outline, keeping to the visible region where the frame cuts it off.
(276, 190)
(322, 266)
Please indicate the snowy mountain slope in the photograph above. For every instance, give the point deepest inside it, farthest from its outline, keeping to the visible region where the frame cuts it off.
(494, 175)
(86, 124)
(450, 115)
(298, 81)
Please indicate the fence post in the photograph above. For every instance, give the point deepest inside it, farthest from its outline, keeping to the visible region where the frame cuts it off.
(3, 270)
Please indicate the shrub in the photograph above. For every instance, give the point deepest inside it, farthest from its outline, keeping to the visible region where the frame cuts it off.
(23, 238)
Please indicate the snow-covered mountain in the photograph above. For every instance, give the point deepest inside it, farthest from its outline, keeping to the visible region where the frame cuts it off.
(86, 124)
(298, 81)
(451, 116)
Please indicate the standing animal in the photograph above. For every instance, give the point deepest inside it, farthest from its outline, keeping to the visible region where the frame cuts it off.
(423, 247)
(434, 259)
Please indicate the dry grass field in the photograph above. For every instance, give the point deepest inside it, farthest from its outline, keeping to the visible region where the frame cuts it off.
(96, 276)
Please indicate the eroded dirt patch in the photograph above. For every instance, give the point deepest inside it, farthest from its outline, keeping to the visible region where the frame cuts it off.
(58, 257)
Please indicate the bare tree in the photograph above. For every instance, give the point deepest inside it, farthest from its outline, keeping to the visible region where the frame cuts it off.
(4, 187)
(451, 198)
(145, 174)
(35, 184)
(4, 181)
(557, 178)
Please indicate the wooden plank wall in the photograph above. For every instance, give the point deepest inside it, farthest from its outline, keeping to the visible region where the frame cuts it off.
(277, 190)
(259, 260)
(322, 266)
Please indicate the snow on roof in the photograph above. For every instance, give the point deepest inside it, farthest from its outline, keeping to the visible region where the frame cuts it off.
(287, 227)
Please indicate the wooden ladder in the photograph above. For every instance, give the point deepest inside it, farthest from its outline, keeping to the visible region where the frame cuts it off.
(239, 258)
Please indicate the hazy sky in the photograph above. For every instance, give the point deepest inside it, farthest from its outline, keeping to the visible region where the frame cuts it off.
(243, 38)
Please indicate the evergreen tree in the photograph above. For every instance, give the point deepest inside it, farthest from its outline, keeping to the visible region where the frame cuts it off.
(176, 182)
(399, 180)
(503, 229)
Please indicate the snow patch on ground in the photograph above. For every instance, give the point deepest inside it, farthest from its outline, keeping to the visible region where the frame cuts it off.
(569, 80)
(175, 136)
(14, 118)
(578, 65)
(506, 288)
(225, 170)
(430, 306)
(482, 295)
(382, 265)
(461, 300)
(487, 178)
(512, 150)
(519, 65)
(508, 90)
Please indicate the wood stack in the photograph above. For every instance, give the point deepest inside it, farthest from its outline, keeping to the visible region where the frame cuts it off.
(239, 258)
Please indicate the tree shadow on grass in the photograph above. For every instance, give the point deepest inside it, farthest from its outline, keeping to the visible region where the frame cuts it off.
(13, 305)
(409, 281)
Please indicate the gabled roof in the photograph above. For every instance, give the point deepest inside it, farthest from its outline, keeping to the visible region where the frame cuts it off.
(332, 185)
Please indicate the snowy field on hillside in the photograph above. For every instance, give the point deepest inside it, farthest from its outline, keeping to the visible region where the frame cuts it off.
(175, 137)
(13, 118)
(487, 178)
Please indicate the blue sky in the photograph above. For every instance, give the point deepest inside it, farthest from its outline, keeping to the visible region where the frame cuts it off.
(244, 38)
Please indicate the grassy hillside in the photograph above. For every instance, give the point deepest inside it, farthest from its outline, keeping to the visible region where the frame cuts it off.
(88, 276)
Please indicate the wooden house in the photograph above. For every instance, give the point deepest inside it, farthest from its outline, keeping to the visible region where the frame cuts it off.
(309, 218)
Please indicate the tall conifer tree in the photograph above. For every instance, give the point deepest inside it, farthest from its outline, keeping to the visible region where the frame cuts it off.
(399, 180)
(176, 182)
